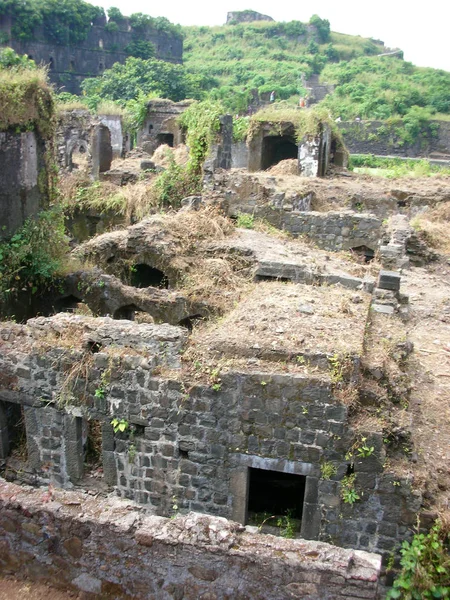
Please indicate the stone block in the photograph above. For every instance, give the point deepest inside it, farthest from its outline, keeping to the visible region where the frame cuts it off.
(389, 280)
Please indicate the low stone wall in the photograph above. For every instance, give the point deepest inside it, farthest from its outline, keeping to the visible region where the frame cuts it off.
(375, 137)
(110, 549)
(335, 230)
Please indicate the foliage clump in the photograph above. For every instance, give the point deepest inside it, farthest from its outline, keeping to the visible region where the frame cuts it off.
(34, 255)
(125, 82)
(63, 22)
(425, 567)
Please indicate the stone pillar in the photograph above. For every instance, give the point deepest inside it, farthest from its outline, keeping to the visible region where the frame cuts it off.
(32, 429)
(21, 159)
(101, 150)
(4, 436)
(311, 510)
(239, 484)
(108, 456)
(73, 445)
(223, 160)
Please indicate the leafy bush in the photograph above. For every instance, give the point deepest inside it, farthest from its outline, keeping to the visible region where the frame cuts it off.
(114, 14)
(63, 22)
(32, 257)
(425, 567)
(174, 184)
(322, 26)
(140, 49)
(201, 121)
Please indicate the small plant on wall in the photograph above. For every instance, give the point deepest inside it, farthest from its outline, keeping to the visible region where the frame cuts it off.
(349, 493)
(119, 425)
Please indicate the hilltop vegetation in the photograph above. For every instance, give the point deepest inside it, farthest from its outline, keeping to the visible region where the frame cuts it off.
(267, 56)
(382, 87)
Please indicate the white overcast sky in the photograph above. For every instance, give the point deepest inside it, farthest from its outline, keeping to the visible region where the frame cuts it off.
(420, 28)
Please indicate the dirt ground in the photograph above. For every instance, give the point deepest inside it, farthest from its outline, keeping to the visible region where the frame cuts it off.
(429, 330)
(12, 589)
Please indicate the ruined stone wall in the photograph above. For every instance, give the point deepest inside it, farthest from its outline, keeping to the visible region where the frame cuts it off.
(335, 230)
(291, 211)
(60, 538)
(69, 65)
(79, 131)
(192, 449)
(115, 126)
(21, 166)
(161, 119)
(375, 137)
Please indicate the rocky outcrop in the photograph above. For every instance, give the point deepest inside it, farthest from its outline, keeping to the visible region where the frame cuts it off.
(246, 16)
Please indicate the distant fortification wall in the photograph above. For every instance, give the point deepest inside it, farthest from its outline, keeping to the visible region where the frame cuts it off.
(69, 65)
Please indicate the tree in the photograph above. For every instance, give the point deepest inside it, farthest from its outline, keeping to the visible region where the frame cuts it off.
(126, 82)
(322, 27)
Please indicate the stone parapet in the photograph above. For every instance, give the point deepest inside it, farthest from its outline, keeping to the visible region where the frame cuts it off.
(109, 548)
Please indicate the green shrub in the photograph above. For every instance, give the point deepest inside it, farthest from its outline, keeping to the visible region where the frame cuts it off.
(425, 567)
(33, 256)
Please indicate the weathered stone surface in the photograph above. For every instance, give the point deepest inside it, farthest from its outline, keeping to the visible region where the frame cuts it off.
(132, 555)
(21, 160)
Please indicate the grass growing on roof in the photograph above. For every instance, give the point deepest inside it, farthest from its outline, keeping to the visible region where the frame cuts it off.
(26, 101)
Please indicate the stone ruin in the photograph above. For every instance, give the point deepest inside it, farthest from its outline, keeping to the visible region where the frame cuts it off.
(130, 407)
(85, 142)
(160, 126)
(315, 153)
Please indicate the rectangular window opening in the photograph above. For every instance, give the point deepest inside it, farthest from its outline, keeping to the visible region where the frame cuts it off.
(13, 440)
(275, 501)
(92, 452)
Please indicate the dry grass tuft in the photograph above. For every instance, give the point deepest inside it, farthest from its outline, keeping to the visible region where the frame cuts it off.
(62, 107)
(108, 107)
(191, 227)
(164, 154)
(433, 226)
(26, 100)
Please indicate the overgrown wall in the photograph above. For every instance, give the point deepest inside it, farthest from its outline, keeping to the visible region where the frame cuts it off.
(376, 137)
(99, 51)
(110, 549)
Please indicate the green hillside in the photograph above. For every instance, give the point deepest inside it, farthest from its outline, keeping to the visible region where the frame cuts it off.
(266, 56)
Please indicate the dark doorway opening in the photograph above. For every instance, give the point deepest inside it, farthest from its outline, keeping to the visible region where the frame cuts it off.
(165, 138)
(363, 253)
(126, 312)
(67, 304)
(275, 494)
(189, 322)
(275, 149)
(272, 278)
(12, 431)
(143, 276)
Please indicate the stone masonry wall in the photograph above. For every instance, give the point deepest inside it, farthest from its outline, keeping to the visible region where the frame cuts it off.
(21, 163)
(69, 65)
(374, 137)
(193, 449)
(60, 538)
(335, 230)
